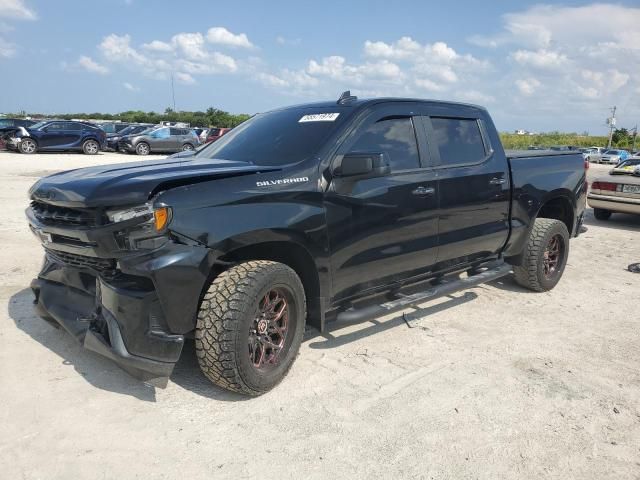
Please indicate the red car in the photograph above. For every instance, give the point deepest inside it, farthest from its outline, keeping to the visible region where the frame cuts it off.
(215, 133)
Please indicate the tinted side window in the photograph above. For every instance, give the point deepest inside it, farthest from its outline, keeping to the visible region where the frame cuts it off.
(458, 140)
(393, 136)
(175, 131)
(72, 126)
(55, 127)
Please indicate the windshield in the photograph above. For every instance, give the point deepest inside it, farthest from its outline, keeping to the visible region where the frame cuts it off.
(279, 137)
(629, 163)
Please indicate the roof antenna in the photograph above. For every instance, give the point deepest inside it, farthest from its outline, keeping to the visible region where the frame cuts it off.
(346, 97)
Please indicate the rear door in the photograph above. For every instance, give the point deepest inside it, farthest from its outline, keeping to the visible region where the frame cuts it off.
(383, 230)
(176, 137)
(473, 186)
(162, 141)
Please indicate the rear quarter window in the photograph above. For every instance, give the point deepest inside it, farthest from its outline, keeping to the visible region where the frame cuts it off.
(459, 140)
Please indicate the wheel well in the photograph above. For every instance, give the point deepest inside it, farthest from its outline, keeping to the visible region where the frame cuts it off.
(558, 208)
(292, 255)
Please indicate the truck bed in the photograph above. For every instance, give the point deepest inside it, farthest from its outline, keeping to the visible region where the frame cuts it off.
(511, 154)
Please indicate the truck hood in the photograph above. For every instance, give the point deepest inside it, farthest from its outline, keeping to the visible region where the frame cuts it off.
(132, 183)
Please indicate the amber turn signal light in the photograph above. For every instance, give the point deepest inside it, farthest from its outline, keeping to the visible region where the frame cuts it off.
(161, 218)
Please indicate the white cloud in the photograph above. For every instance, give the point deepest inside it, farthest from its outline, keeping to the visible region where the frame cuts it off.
(187, 54)
(7, 49)
(130, 87)
(190, 46)
(527, 86)
(222, 36)
(337, 68)
(298, 79)
(12, 10)
(158, 46)
(16, 9)
(540, 58)
(185, 78)
(92, 66)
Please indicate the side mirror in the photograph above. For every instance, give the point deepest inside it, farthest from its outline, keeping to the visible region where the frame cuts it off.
(362, 165)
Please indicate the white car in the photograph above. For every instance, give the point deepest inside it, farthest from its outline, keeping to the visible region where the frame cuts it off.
(617, 192)
(593, 154)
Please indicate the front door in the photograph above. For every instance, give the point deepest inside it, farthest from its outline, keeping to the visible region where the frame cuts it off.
(384, 229)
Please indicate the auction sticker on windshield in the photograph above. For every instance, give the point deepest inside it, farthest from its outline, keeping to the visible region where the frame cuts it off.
(319, 117)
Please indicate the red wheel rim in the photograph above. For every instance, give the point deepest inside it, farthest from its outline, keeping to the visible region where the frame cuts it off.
(553, 256)
(268, 333)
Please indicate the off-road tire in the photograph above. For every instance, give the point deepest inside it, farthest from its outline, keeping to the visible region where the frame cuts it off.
(530, 272)
(228, 309)
(602, 214)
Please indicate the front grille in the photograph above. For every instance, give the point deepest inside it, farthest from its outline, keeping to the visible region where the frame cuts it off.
(106, 266)
(55, 215)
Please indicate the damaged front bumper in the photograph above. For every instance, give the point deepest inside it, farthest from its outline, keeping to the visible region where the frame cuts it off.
(93, 325)
(134, 309)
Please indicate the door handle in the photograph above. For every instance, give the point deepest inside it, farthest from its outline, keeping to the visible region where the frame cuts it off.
(497, 181)
(423, 192)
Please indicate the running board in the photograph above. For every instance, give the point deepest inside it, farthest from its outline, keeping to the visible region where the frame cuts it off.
(407, 301)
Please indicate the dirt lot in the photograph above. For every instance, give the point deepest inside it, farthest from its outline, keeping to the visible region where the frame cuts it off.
(497, 382)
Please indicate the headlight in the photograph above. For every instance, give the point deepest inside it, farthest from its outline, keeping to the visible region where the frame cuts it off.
(117, 216)
(159, 217)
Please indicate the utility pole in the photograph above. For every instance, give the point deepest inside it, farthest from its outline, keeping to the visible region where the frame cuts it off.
(173, 95)
(635, 135)
(612, 124)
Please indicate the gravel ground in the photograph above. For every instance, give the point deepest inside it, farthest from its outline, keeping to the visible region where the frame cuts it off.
(496, 382)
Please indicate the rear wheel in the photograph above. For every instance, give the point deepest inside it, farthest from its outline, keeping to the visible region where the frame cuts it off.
(250, 326)
(601, 213)
(90, 147)
(28, 146)
(143, 148)
(545, 255)
(187, 147)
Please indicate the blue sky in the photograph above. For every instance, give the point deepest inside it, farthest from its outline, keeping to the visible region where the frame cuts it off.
(536, 66)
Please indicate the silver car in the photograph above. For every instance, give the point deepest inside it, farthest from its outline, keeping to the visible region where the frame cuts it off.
(613, 156)
(160, 140)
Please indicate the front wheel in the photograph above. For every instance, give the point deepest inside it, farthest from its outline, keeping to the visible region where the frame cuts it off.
(545, 255)
(143, 148)
(28, 146)
(90, 147)
(250, 326)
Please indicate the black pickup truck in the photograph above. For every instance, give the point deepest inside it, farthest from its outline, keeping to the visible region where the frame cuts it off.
(330, 211)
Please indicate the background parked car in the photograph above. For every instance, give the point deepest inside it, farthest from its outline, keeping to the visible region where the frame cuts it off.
(134, 129)
(163, 139)
(214, 134)
(613, 193)
(593, 154)
(113, 127)
(629, 166)
(58, 135)
(614, 156)
(8, 125)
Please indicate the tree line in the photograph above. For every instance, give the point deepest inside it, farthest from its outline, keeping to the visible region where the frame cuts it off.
(212, 117)
(621, 138)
